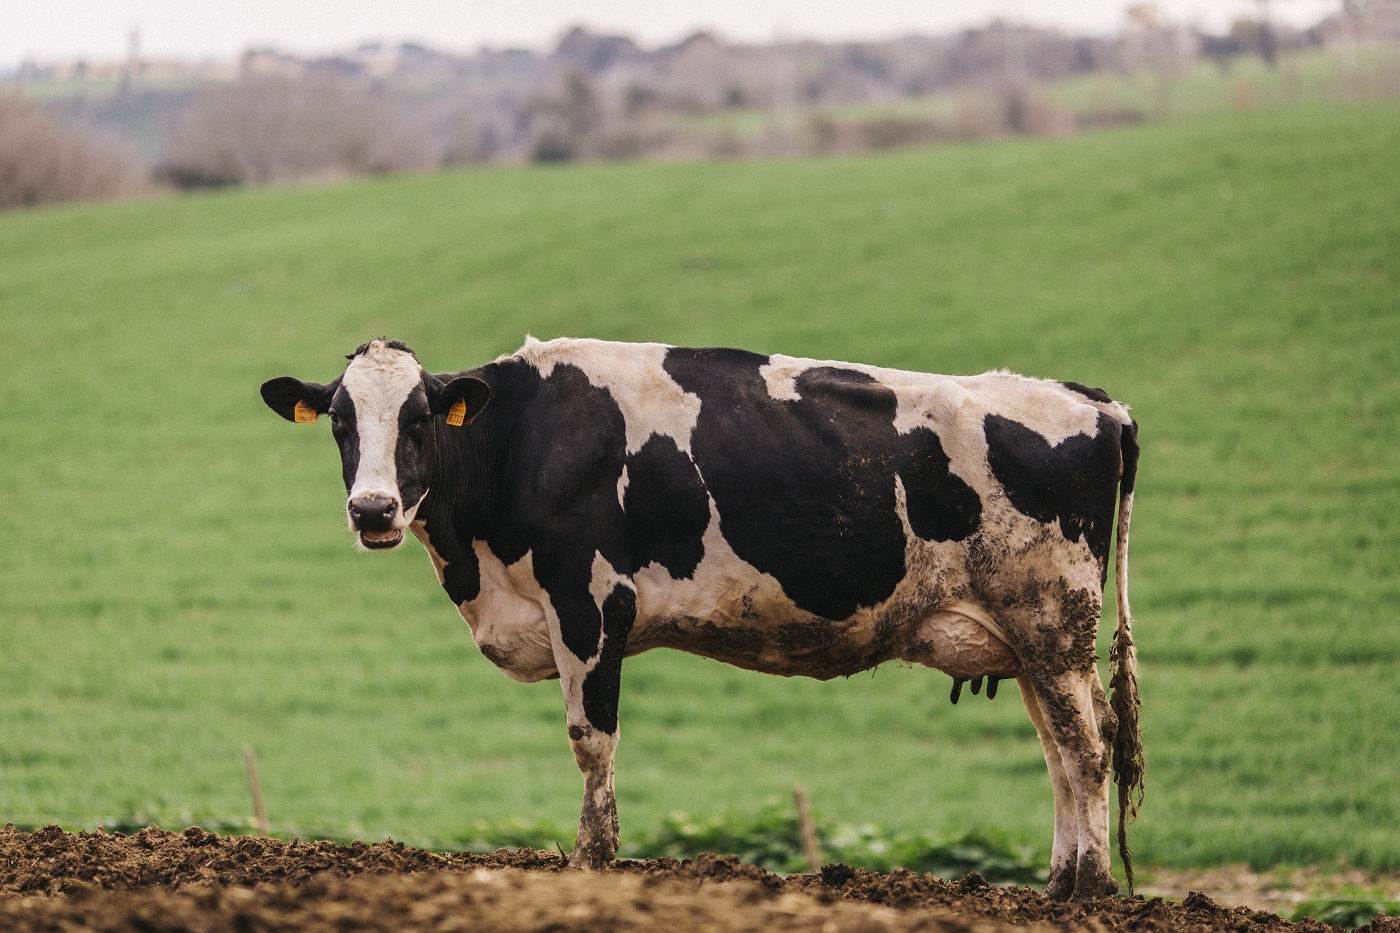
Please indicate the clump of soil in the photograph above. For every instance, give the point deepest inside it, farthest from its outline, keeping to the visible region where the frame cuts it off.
(163, 881)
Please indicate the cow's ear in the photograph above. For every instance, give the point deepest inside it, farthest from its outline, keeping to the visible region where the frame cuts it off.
(461, 398)
(296, 400)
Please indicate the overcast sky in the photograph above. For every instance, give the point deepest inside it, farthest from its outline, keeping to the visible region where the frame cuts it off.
(45, 30)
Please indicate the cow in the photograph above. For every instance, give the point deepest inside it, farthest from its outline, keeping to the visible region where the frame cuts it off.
(583, 501)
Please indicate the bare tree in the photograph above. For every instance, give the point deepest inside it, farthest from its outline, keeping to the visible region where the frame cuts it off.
(1164, 47)
(567, 121)
(42, 161)
(263, 129)
(1268, 46)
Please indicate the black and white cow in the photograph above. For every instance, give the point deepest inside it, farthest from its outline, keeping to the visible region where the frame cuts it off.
(583, 501)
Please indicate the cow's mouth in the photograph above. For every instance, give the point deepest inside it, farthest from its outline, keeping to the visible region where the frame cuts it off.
(381, 540)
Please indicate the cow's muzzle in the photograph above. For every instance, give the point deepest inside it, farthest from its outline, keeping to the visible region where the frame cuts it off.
(373, 517)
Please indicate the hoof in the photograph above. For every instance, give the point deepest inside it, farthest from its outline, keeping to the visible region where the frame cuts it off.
(1088, 887)
(1061, 886)
(580, 864)
(585, 860)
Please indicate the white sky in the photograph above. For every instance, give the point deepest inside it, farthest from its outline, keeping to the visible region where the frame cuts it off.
(46, 30)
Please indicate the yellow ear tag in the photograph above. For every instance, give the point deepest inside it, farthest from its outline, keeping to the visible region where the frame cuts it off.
(457, 414)
(303, 413)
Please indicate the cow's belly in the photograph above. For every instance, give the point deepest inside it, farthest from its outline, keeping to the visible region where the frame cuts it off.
(744, 618)
(789, 647)
(952, 641)
(730, 611)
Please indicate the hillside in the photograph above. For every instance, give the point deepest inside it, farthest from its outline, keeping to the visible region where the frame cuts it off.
(178, 583)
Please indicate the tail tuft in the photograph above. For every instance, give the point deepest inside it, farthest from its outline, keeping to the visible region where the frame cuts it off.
(1129, 766)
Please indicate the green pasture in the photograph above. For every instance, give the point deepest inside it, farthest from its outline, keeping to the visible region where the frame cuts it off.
(176, 581)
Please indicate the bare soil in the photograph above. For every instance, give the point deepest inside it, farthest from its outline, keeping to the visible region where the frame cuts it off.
(155, 880)
(1276, 889)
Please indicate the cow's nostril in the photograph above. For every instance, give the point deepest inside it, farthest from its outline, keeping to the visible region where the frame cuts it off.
(373, 513)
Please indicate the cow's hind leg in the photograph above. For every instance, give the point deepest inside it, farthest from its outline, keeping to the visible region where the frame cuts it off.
(1064, 854)
(1078, 721)
(1053, 635)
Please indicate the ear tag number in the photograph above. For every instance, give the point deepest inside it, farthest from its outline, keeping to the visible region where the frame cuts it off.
(457, 414)
(303, 413)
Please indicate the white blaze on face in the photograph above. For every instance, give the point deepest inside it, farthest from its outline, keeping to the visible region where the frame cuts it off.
(379, 381)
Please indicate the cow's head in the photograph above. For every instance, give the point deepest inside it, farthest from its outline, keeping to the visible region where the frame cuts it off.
(385, 413)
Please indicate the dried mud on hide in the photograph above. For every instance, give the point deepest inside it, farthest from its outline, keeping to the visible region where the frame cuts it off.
(163, 881)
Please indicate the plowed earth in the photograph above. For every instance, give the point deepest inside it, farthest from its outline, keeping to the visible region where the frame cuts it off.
(157, 881)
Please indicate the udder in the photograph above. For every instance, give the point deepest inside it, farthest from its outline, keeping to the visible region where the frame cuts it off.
(962, 648)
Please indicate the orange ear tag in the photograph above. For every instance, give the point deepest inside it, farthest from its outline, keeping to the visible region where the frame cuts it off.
(457, 414)
(303, 413)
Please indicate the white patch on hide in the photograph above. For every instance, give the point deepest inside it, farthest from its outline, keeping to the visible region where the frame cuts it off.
(651, 401)
(780, 374)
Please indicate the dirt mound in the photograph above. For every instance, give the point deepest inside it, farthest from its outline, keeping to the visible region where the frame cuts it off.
(162, 881)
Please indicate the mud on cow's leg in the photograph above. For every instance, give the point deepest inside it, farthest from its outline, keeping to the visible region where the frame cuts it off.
(591, 686)
(1064, 852)
(1072, 705)
(1054, 637)
(597, 824)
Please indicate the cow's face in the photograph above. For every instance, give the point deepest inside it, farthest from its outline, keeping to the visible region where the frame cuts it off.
(385, 414)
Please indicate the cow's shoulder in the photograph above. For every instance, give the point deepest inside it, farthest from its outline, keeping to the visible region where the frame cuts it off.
(634, 377)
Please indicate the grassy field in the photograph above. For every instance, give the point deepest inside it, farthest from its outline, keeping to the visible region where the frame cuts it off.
(176, 581)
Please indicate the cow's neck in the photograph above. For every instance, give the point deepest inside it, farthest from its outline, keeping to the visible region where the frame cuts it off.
(464, 488)
(467, 494)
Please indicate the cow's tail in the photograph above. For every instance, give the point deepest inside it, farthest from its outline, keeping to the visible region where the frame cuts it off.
(1129, 765)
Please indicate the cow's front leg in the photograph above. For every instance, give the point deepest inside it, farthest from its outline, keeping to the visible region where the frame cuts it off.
(597, 823)
(591, 682)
